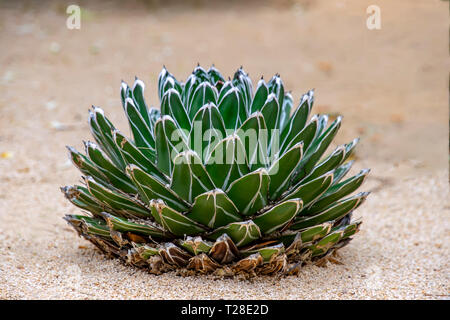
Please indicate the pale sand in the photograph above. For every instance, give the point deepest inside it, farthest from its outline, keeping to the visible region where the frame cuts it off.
(402, 252)
(390, 85)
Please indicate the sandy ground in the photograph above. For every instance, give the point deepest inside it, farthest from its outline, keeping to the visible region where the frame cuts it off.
(391, 85)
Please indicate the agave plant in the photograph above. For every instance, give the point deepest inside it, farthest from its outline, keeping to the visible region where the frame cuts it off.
(221, 178)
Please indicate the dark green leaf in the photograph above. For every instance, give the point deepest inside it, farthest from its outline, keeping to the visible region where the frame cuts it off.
(242, 233)
(278, 216)
(139, 101)
(151, 188)
(215, 75)
(249, 193)
(133, 155)
(203, 94)
(285, 112)
(334, 212)
(337, 192)
(229, 108)
(260, 96)
(297, 122)
(189, 176)
(271, 113)
(169, 142)
(171, 105)
(102, 129)
(114, 175)
(329, 164)
(227, 162)
(214, 209)
(207, 130)
(282, 169)
(80, 197)
(143, 136)
(317, 149)
(119, 203)
(173, 221)
(196, 245)
(253, 134)
(312, 190)
(123, 225)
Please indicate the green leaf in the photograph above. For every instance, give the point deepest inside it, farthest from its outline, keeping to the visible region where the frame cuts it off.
(207, 130)
(253, 134)
(276, 87)
(266, 252)
(161, 81)
(201, 73)
(172, 220)
(243, 82)
(317, 149)
(350, 148)
(249, 193)
(167, 81)
(214, 209)
(90, 225)
(196, 245)
(262, 91)
(139, 101)
(150, 188)
(285, 111)
(171, 105)
(154, 115)
(306, 135)
(271, 113)
(203, 94)
(242, 233)
(306, 235)
(119, 203)
(326, 243)
(80, 197)
(123, 225)
(133, 155)
(229, 108)
(227, 162)
(86, 166)
(337, 192)
(297, 122)
(189, 176)
(334, 212)
(215, 75)
(191, 84)
(169, 143)
(329, 164)
(125, 92)
(311, 190)
(282, 169)
(227, 86)
(323, 121)
(102, 129)
(351, 229)
(114, 175)
(142, 135)
(341, 171)
(145, 251)
(278, 216)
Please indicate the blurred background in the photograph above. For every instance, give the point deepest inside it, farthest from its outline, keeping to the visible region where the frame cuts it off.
(390, 84)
